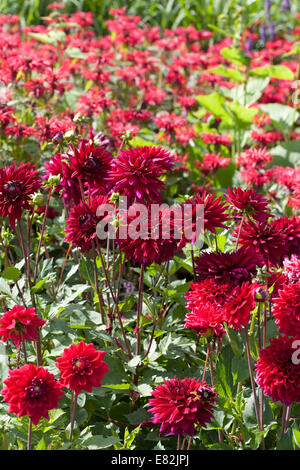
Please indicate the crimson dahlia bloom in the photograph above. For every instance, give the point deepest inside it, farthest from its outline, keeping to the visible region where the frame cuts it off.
(18, 322)
(205, 300)
(286, 309)
(276, 373)
(31, 391)
(248, 202)
(232, 268)
(239, 304)
(290, 227)
(265, 239)
(82, 367)
(181, 405)
(82, 222)
(135, 173)
(17, 184)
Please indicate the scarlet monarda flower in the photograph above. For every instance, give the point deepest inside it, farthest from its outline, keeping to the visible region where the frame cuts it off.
(135, 173)
(286, 309)
(31, 391)
(82, 367)
(18, 323)
(17, 184)
(179, 406)
(233, 268)
(82, 222)
(248, 202)
(277, 373)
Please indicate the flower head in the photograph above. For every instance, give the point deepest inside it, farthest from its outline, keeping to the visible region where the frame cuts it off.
(17, 184)
(20, 322)
(248, 202)
(31, 391)
(276, 373)
(181, 405)
(82, 367)
(135, 173)
(239, 304)
(286, 309)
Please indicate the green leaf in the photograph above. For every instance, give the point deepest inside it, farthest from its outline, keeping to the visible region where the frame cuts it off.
(75, 53)
(242, 115)
(282, 116)
(275, 71)
(41, 445)
(214, 104)
(237, 56)
(296, 435)
(286, 441)
(100, 442)
(287, 153)
(240, 370)
(234, 74)
(11, 274)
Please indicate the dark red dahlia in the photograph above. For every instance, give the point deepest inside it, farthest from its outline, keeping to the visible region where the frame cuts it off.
(17, 184)
(179, 406)
(69, 185)
(277, 373)
(90, 163)
(265, 239)
(233, 268)
(31, 391)
(214, 214)
(82, 222)
(248, 202)
(135, 173)
(146, 239)
(239, 304)
(286, 309)
(205, 300)
(290, 227)
(18, 322)
(82, 367)
(292, 268)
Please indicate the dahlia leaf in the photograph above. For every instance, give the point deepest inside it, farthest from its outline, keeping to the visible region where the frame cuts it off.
(11, 274)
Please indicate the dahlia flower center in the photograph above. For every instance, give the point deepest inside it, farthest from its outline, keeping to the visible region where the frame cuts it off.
(12, 189)
(80, 365)
(35, 389)
(92, 162)
(85, 220)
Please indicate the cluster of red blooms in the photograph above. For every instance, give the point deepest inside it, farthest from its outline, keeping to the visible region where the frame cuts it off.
(32, 390)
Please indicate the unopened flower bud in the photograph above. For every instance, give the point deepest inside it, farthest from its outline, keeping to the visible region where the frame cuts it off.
(37, 199)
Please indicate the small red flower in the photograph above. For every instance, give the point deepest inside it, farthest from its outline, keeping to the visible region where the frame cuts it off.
(181, 405)
(248, 202)
(286, 309)
(18, 322)
(239, 304)
(276, 372)
(82, 367)
(17, 184)
(31, 391)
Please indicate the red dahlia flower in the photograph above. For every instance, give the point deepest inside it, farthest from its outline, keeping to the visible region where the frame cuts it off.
(31, 391)
(135, 173)
(17, 184)
(249, 203)
(276, 372)
(265, 239)
(155, 242)
(214, 214)
(18, 322)
(239, 304)
(233, 268)
(82, 367)
(205, 300)
(290, 227)
(292, 268)
(286, 309)
(181, 405)
(82, 222)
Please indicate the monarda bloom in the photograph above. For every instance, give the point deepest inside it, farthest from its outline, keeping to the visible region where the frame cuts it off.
(248, 203)
(233, 268)
(17, 184)
(286, 309)
(20, 322)
(214, 215)
(135, 173)
(90, 164)
(277, 373)
(265, 239)
(82, 367)
(82, 222)
(146, 239)
(31, 391)
(240, 302)
(179, 406)
(205, 300)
